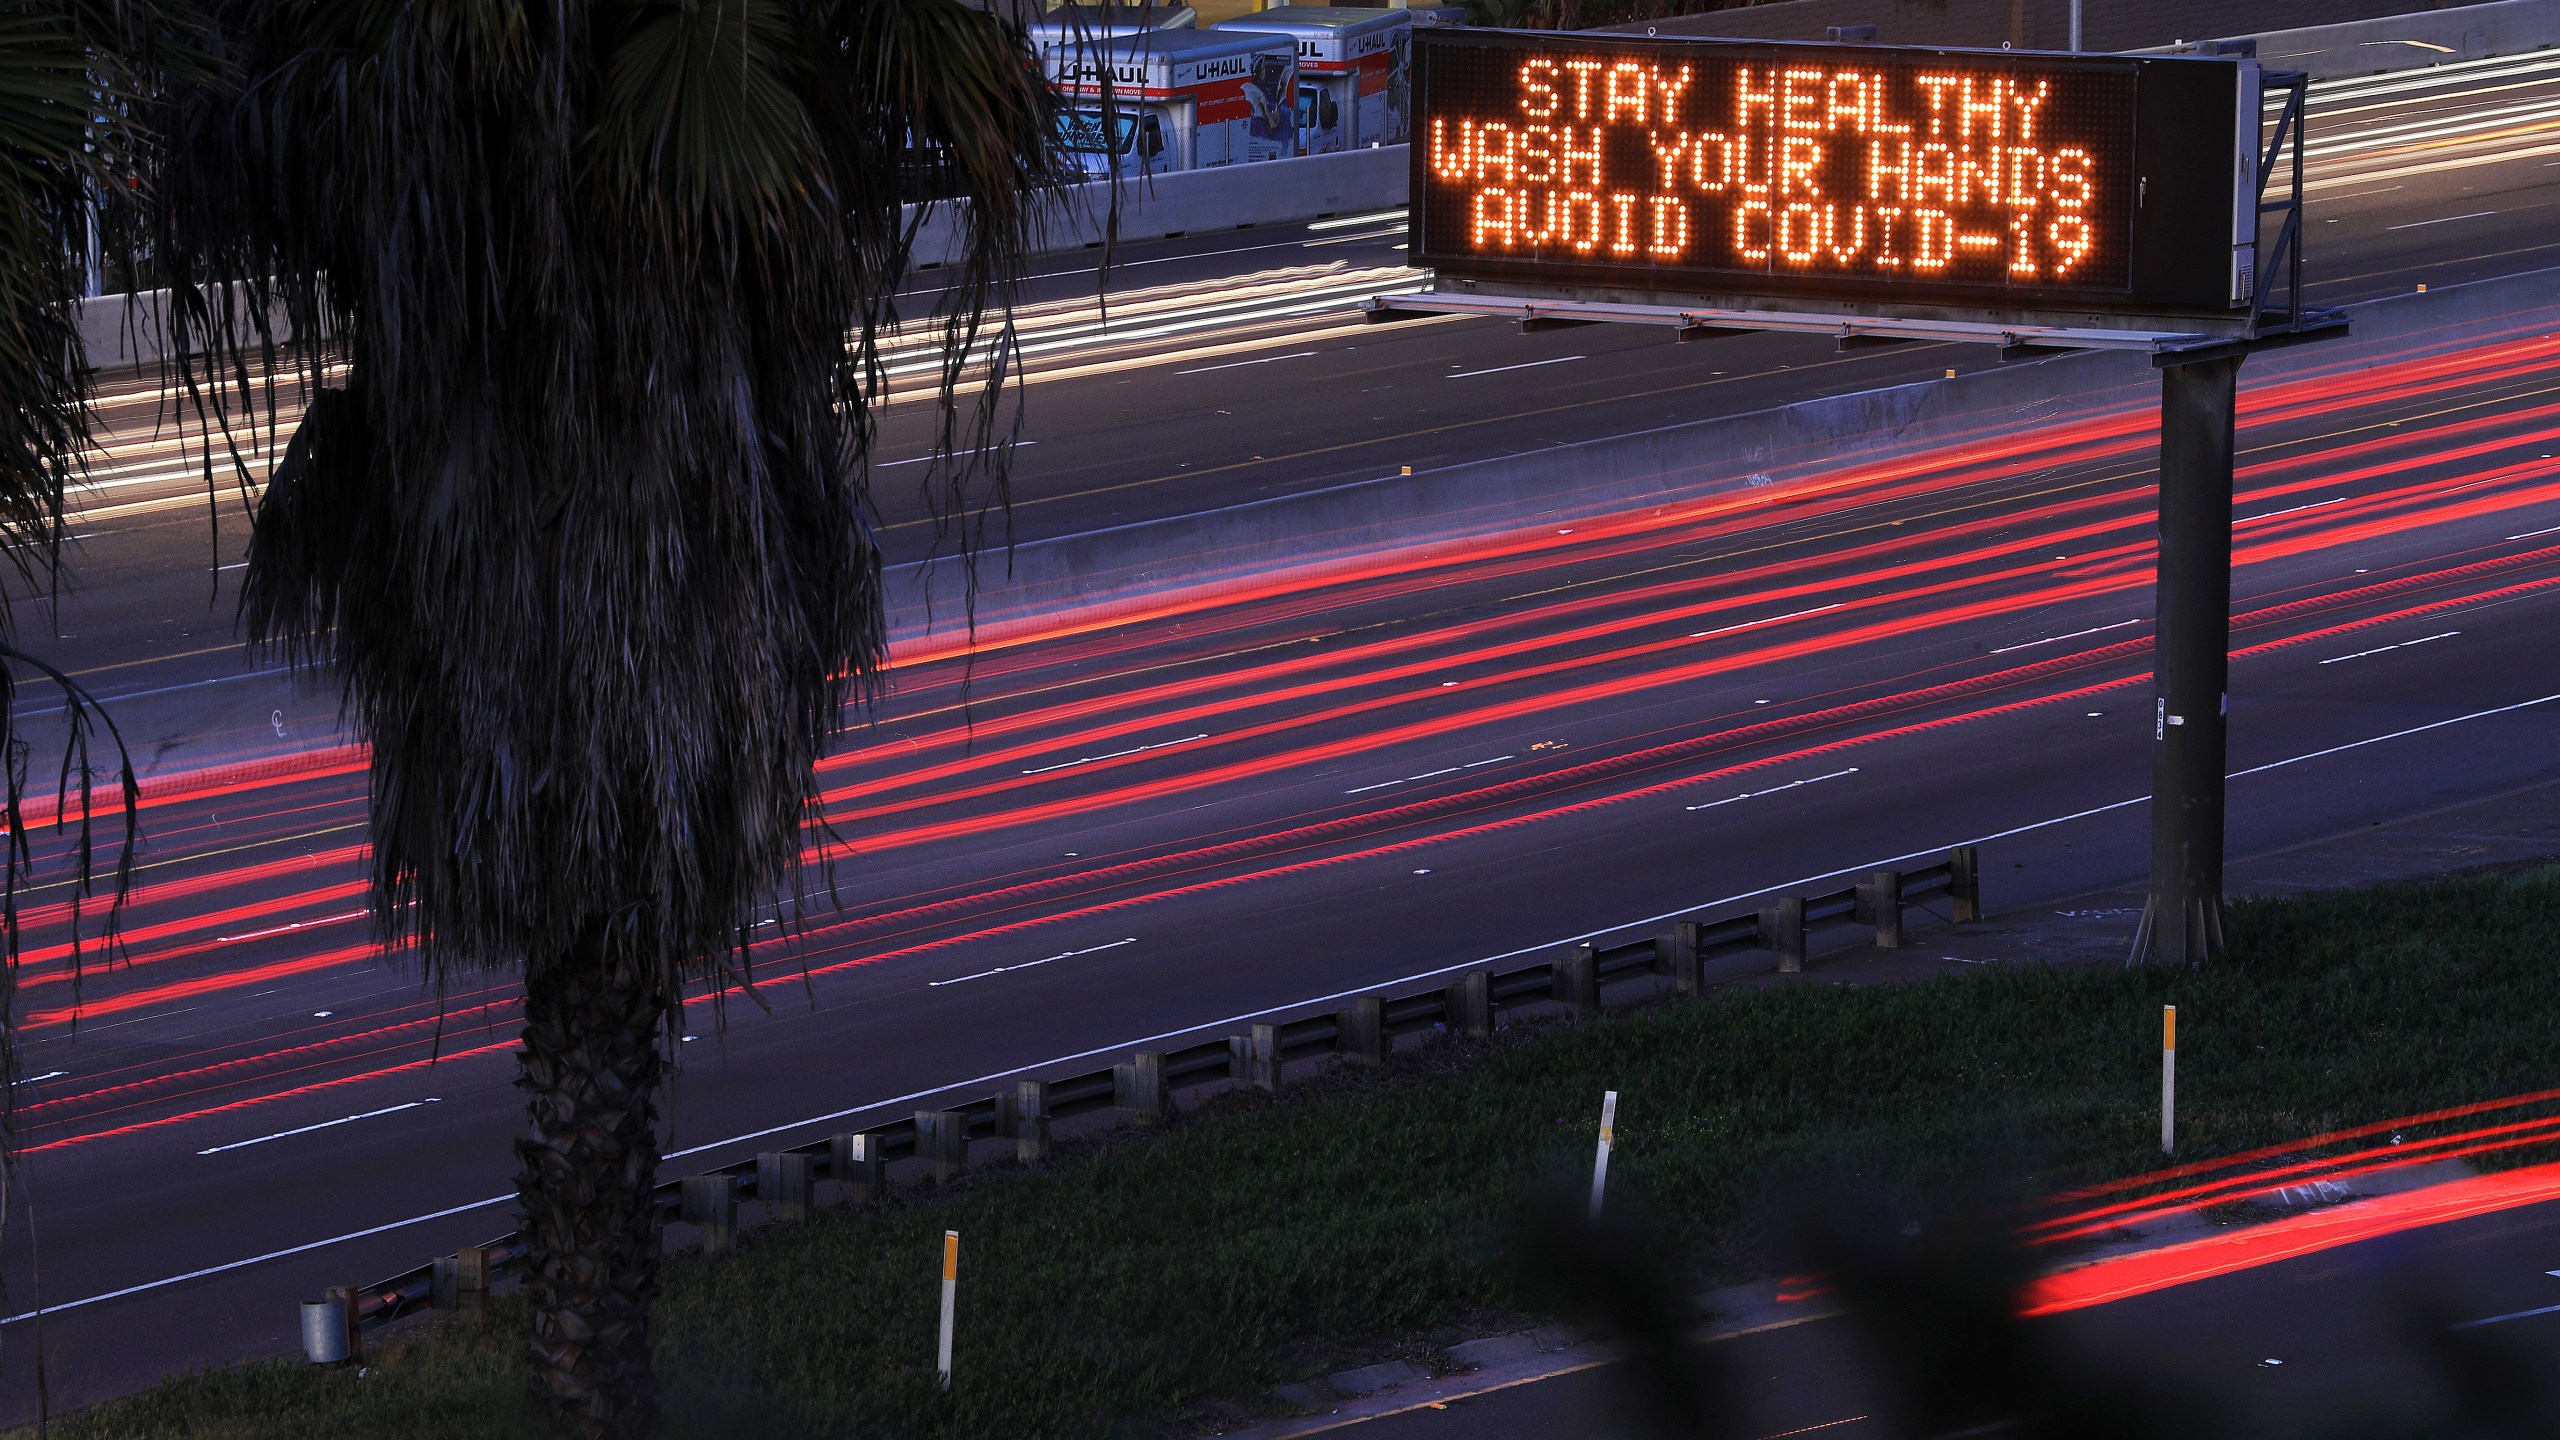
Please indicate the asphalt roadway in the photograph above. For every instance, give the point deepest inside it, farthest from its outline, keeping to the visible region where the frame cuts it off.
(1267, 800)
(1232, 368)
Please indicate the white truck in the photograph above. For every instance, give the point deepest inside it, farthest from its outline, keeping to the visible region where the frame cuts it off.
(1355, 76)
(1178, 99)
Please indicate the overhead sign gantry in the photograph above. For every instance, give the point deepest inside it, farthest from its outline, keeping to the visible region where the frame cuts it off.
(2032, 200)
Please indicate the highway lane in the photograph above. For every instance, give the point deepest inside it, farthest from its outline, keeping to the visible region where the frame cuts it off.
(1264, 798)
(1231, 368)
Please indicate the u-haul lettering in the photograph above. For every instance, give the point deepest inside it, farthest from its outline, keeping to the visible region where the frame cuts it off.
(1231, 67)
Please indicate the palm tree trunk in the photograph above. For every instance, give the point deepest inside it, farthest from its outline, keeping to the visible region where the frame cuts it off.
(590, 1067)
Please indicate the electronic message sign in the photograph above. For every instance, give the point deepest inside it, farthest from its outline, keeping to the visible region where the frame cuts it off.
(1863, 178)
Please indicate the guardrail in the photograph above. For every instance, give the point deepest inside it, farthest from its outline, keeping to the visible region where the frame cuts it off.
(1362, 1032)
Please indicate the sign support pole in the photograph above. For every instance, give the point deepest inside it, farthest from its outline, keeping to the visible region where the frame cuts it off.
(2182, 918)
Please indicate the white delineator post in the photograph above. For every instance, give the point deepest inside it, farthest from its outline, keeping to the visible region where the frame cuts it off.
(950, 1302)
(1608, 1137)
(2168, 1079)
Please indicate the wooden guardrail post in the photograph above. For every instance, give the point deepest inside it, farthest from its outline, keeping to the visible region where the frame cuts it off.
(1360, 1031)
(1468, 1002)
(1964, 883)
(1880, 904)
(1676, 955)
(1574, 980)
(942, 1137)
(1782, 930)
(783, 1181)
(1138, 1087)
(1253, 1058)
(857, 1164)
(710, 1202)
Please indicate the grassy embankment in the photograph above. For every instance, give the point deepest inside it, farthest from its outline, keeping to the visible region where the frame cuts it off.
(1139, 1273)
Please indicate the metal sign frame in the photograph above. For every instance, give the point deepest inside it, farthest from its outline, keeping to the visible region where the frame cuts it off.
(2179, 238)
(2182, 918)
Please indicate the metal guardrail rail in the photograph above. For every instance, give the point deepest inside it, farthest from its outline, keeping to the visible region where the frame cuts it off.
(1362, 1032)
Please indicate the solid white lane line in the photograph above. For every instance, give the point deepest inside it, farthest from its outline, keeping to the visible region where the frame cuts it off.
(286, 929)
(291, 1250)
(1240, 364)
(48, 1075)
(1523, 365)
(2361, 194)
(2074, 635)
(1766, 620)
(2379, 649)
(1114, 755)
(919, 460)
(1345, 222)
(323, 1125)
(164, 689)
(1774, 789)
(1366, 238)
(2510, 1315)
(2529, 534)
(1031, 964)
(2443, 220)
(2291, 510)
(1142, 1042)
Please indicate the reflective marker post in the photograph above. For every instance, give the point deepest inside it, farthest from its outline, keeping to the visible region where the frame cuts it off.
(1608, 1137)
(950, 1302)
(2168, 1079)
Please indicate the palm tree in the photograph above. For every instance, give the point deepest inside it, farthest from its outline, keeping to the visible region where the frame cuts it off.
(581, 526)
(70, 73)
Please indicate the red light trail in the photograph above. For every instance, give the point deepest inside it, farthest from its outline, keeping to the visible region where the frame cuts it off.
(2071, 527)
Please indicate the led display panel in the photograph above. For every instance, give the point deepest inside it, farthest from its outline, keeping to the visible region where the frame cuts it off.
(1725, 168)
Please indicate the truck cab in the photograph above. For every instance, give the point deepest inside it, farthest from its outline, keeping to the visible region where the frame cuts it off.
(1354, 72)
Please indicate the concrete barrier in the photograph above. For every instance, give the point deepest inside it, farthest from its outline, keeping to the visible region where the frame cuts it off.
(122, 330)
(1193, 202)
(2406, 42)
(1631, 480)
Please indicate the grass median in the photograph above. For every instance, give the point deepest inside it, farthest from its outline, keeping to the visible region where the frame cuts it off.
(1122, 1287)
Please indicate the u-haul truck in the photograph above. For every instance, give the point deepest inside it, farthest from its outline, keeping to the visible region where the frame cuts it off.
(1354, 72)
(1179, 99)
